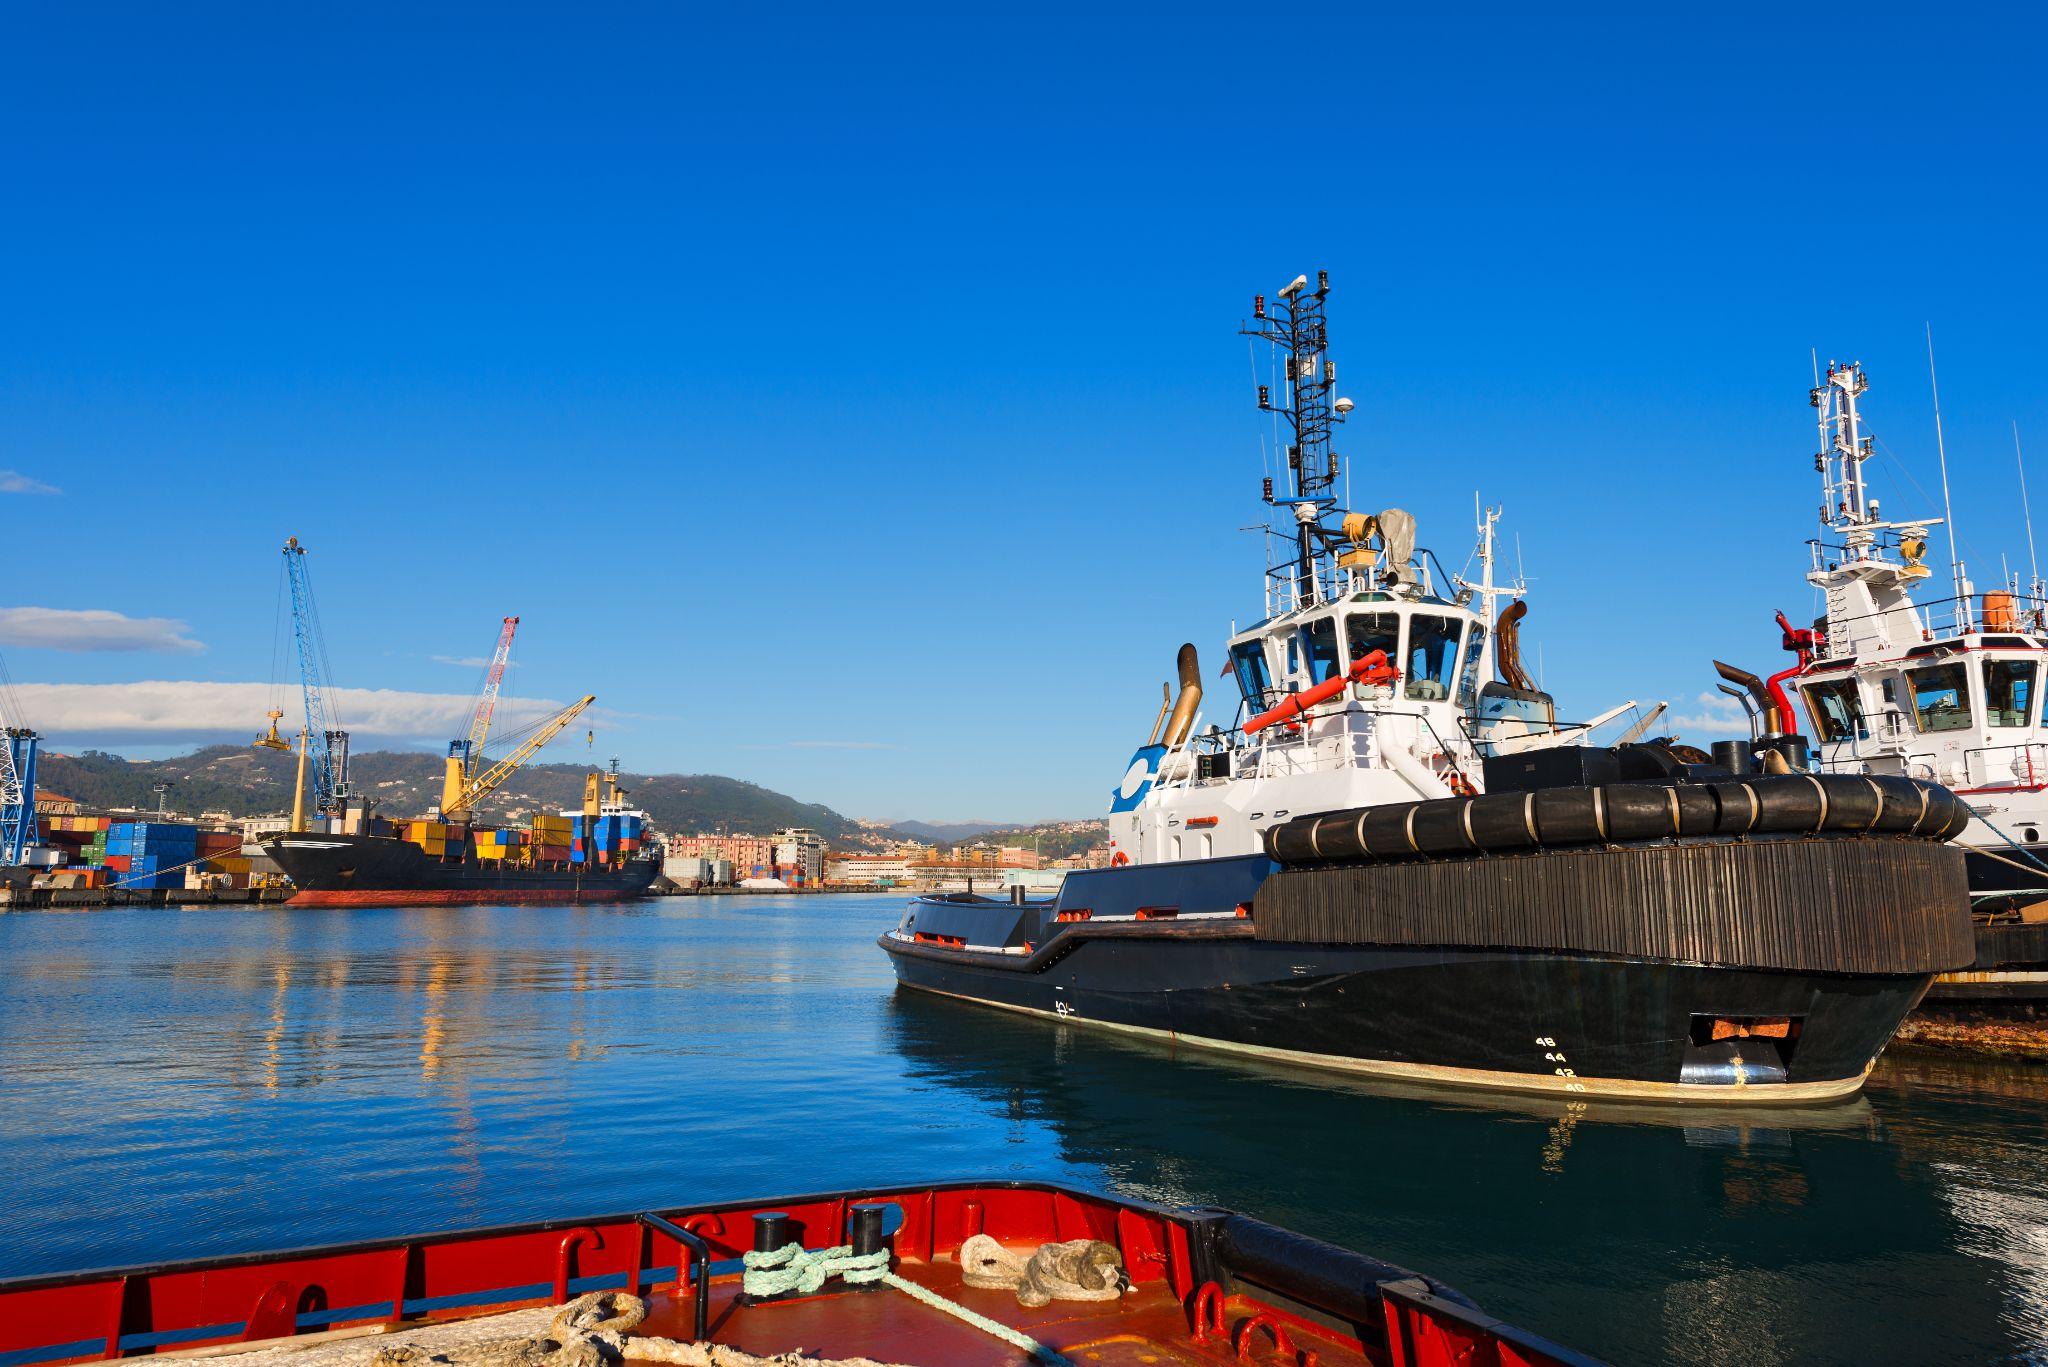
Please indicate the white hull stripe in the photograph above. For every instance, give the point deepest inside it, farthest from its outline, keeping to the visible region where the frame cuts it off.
(1762, 1094)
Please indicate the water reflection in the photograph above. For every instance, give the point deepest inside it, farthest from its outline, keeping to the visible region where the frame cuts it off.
(1702, 1234)
(177, 1084)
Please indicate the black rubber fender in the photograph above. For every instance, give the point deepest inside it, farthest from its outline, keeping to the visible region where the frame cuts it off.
(1737, 806)
(1337, 837)
(1826, 805)
(1504, 821)
(1291, 842)
(1947, 814)
(1570, 816)
(1439, 827)
(1384, 830)
(1789, 803)
(1904, 803)
(1641, 811)
(1853, 802)
(1698, 810)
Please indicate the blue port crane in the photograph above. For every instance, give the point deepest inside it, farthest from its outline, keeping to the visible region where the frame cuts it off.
(328, 742)
(17, 792)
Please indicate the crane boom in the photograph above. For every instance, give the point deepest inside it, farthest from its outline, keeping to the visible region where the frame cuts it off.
(480, 725)
(487, 782)
(331, 789)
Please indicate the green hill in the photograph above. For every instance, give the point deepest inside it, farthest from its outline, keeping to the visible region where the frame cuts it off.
(250, 782)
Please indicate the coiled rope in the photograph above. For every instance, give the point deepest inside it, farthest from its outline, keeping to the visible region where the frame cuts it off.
(795, 1268)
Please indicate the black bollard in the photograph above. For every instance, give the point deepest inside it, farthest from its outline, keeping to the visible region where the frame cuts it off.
(864, 1229)
(864, 1234)
(771, 1232)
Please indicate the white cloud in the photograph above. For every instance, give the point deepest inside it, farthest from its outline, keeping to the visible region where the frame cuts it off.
(167, 709)
(1720, 717)
(470, 663)
(15, 482)
(93, 629)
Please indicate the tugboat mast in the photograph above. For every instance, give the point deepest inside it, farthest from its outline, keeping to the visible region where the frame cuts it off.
(1843, 449)
(1298, 325)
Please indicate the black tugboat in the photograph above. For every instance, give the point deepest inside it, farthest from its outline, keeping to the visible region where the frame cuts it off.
(1324, 883)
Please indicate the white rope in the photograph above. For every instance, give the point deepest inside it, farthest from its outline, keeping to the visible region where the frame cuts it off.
(1014, 1337)
(793, 1268)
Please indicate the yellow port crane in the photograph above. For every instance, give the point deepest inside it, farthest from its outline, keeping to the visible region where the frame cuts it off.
(460, 793)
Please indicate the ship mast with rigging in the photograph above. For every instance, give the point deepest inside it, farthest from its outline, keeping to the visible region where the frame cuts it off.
(1296, 324)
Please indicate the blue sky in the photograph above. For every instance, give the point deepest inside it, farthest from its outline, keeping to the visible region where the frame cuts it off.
(853, 401)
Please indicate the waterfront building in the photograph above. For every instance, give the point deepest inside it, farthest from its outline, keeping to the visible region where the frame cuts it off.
(799, 857)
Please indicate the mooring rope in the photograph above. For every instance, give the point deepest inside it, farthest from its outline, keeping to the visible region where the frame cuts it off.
(794, 1268)
(1016, 1338)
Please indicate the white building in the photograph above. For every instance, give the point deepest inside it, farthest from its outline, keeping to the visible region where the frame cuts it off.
(800, 856)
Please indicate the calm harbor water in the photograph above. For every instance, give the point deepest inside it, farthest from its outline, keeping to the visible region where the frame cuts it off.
(180, 1083)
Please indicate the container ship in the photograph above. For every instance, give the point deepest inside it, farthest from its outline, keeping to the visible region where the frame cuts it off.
(342, 854)
(586, 856)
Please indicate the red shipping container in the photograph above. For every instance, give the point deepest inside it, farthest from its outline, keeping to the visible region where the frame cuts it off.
(118, 862)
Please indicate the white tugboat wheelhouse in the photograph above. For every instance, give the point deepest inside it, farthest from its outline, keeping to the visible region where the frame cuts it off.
(1371, 677)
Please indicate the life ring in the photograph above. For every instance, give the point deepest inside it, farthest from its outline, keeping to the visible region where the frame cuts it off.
(1119, 859)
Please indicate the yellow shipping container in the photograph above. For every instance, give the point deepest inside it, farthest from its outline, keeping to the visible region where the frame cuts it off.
(490, 852)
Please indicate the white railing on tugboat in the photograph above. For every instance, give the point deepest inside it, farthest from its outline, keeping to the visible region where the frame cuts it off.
(2023, 765)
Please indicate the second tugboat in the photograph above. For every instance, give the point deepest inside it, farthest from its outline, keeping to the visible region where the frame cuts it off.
(1393, 863)
(1946, 689)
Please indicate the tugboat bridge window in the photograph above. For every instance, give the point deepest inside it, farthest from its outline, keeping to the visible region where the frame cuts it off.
(1323, 660)
(1941, 698)
(1837, 710)
(1468, 682)
(1366, 632)
(2009, 692)
(1432, 656)
(1254, 679)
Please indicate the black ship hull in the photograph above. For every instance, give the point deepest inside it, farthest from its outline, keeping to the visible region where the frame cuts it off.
(1746, 942)
(2011, 967)
(362, 870)
(1519, 1021)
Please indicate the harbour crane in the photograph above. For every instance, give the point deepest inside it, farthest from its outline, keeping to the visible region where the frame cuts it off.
(17, 786)
(328, 742)
(464, 753)
(482, 785)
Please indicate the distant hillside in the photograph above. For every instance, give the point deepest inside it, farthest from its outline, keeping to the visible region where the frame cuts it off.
(948, 833)
(1052, 839)
(250, 782)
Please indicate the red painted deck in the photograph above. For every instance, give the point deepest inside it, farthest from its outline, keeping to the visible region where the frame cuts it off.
(1145, 1329)
(1335, 1305)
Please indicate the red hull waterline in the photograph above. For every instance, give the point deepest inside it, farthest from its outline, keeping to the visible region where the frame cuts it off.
(443, 897)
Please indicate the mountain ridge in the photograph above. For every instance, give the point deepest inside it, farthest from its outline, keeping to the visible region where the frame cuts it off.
(244, 782)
